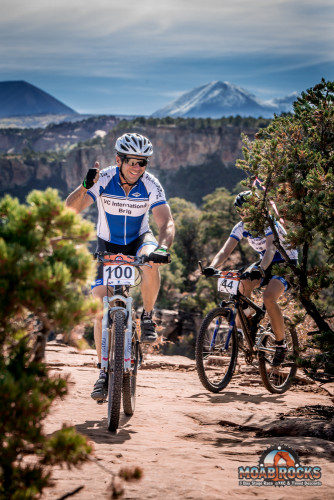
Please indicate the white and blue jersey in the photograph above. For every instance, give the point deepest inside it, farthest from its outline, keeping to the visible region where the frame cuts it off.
(123, 218)
(259, 243)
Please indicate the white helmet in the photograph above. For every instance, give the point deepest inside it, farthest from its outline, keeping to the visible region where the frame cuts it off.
(134, 143)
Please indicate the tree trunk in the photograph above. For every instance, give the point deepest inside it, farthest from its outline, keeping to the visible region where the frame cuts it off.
(312, 310)
(40, 344)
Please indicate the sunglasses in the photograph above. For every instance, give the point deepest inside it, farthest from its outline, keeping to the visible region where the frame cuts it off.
(134, 161)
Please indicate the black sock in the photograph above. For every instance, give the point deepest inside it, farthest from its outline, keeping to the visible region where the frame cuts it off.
(147, 314)
(280, 342)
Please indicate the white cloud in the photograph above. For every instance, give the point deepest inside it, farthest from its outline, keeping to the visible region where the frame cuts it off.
(113, 39)
(173, 27)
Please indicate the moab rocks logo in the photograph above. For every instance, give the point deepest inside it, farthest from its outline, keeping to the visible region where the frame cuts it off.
(279, 466)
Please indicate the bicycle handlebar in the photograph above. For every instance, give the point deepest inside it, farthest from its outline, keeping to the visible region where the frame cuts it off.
(211, 272)
(136, 260)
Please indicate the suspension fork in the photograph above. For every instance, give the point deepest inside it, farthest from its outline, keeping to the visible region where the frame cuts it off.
(105, 335)
(107, 313)
(232, 325)
(233, 313)
(128, 334)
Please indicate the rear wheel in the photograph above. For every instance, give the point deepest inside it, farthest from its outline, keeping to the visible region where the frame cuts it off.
(130, 379)
(278, 379)
(116, 361)
(216, 350)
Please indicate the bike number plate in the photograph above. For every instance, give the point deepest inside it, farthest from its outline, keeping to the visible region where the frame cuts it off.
(228, 283)
(118, 274)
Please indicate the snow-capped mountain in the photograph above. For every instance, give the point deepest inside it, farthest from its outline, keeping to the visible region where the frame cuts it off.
(217, 99)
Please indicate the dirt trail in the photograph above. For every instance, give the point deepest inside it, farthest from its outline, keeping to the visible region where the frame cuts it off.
(189, 442)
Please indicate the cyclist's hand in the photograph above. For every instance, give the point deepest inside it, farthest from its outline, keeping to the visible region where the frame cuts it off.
(160, 256)
(209, 271)
(92, 176)
(254, 274)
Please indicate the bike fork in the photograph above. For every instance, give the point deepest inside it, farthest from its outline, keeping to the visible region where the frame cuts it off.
(128, 336)
(105, 336)
(231, 326)
(105, 331)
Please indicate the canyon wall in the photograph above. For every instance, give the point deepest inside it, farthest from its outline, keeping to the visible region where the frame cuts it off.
(211, 150)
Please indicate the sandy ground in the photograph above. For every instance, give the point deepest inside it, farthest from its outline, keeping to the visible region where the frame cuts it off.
(189, 442)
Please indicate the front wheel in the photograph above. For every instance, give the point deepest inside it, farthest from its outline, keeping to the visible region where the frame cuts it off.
(278, 379)
(116, 363)
(130, 379)
(216, 350)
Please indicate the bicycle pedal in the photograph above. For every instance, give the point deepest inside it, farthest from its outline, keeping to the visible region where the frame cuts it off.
(101, 401)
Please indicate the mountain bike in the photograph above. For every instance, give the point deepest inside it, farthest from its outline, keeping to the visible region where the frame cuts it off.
(218, 342)
(121, 352)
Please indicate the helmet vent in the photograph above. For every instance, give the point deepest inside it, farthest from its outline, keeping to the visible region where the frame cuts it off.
(134, 143)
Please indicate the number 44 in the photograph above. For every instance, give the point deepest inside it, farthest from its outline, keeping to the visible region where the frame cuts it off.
(227, 284)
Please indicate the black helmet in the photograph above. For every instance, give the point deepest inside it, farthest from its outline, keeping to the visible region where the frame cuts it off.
(242, 198)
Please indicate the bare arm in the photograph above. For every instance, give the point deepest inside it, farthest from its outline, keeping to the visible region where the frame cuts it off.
(269, 253)
(164, 220)
(79, 199)
(224, 252)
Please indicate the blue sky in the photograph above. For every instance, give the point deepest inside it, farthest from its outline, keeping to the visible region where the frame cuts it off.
(113, 57)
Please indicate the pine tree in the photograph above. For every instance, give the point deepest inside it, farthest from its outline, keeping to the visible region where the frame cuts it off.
(293, 158)
(44, 271)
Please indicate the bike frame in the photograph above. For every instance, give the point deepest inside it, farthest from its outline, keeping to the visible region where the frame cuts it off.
(119, 301)
(237, 301)
(109, 309)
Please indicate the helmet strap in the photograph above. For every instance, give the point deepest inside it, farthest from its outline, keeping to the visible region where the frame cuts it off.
(127, 183)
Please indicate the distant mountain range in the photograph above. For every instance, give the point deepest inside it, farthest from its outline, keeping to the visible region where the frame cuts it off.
(214, 100)
(19, 98)
(217, 99)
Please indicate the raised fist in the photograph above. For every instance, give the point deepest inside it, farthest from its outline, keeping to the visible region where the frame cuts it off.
(89, 180)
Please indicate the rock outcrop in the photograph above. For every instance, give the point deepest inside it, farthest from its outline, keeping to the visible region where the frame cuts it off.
(54, 137)
(174, 148)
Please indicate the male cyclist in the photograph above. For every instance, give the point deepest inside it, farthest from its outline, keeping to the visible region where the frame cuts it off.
(261, 275)
(124, 194)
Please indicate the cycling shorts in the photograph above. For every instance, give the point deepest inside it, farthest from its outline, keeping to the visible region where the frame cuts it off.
(269, 276)
(132, 248)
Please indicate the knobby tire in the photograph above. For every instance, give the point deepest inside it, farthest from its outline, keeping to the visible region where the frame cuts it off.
(215, 365)
(116, 363)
